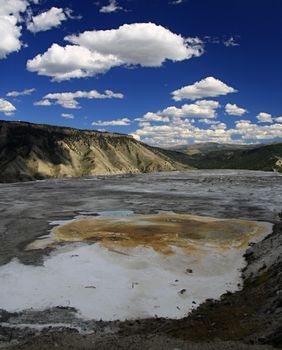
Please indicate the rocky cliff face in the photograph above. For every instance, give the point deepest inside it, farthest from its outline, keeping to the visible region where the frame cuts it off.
(31, 151)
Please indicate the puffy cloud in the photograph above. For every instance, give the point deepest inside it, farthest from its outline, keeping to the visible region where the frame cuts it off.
(11, 17)
(209, 121)
(253, 132)
(208, 87)
(113, 6)
(199, 109)
(146, 44)
(64, 63)
(233, 109)
(10, 28)
(44, 103)
(116, 122)
(20, 93)
(67, 116)
(6, 107)
(47, 20)
(153, 117)
(182, 131)
(264, 117)
(278, 119)
(12, 7)
(243, 124)
(136, 137)
(94, 52)
(69, 99)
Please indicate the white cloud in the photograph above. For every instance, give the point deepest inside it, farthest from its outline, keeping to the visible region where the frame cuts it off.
(44, 103)
(146, 44)
(69, 14)
(153, 117)
(264, 117)
(10, 28)
(233, 109)
(47, 20)
(182, 131)
(64, 63)
(204, 109)
(278, 119)
(208, 87)
(230, 42)
(143, 123)
(6, 107)
(253, 132)
(176, 2)
(199, 109)
(67, 116)
(94, 52)
(209, 121)
(113, 6)
(69, 99)
(20, 93)
(116, 122)
(136, 137)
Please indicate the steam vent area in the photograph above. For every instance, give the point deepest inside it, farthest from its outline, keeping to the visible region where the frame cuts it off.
(122, 265)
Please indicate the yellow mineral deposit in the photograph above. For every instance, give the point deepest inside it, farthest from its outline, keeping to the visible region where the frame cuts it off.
(160, 232)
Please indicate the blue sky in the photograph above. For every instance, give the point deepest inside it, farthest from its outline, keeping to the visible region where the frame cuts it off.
(121, 73)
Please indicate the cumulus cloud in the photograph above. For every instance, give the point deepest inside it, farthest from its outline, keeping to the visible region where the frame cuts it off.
(67, 116)
(12, 13)
(113, 6)
(182, 131)
(6, 107)
(146, 44)
(10, 28)
(208, 87)
(204, 109)
(264, 117)
(69, 99)
(152, 117)
(209, 121)
(20, 93)
(64, 63)
(94, 52)
(44, 103)
(47, 20)
(199, 109)
(233, 109)
(250, 131)
(116, 122)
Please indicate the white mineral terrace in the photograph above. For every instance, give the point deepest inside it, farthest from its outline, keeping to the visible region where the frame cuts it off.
(123, 278)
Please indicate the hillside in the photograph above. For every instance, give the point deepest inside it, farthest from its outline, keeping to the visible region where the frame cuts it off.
(266, 157)
(207, 147)
(31, 151)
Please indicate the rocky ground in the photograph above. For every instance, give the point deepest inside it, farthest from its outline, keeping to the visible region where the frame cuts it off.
(248, 319)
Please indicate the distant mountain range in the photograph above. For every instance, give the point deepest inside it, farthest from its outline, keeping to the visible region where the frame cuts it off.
(32, 151)
(206, 147)
(267, 157)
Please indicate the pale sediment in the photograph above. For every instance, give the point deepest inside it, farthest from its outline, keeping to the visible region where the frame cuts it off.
(133, 266)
